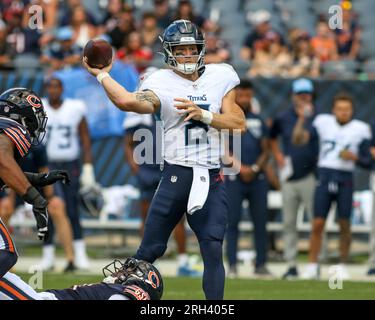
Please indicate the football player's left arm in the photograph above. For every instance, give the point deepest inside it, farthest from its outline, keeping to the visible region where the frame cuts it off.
(87, 178)
(231, 116)
(363, 158)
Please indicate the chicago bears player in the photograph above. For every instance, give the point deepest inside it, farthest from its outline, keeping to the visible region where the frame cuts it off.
(194, 102)
(343, 143)
(22, 123)
(130, 280)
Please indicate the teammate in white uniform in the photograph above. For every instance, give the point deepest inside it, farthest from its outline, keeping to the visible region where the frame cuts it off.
(344, 143)
(192, 100)
(67, 131)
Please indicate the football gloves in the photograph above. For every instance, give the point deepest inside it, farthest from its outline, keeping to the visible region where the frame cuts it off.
(45, 179)
(33, 197)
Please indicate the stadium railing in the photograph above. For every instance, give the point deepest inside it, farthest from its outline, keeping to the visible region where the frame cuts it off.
(274, 202)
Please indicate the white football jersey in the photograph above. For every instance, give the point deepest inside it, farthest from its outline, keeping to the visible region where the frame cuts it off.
(62, 138)
(334, 138)
(191, 143)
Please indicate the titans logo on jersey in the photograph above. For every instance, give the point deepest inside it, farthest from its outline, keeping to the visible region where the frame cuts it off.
(18, 134)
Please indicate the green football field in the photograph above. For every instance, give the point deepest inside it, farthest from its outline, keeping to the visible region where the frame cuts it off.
(242, 289)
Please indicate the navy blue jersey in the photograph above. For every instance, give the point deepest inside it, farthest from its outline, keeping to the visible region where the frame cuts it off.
(36, 159)
(18, 134)
(304, 157)
(100, 291)
(251, 146)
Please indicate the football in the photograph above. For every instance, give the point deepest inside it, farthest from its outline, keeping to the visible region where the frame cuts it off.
(99, 53)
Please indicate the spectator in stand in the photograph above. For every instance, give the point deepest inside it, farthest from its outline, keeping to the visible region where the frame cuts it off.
(114, 9)
(296, 166)
(62, 53)
(216, 49)
(163, 16)
(150, 32)
(68, 10)
(324, 44)
(348, 38)
(23, 42)
(83, 30)
(5, 50)
(271, 58)
(124, 27)
(256, 39)
(185, 12)
(8, 7)
(134, 52)
(304, 63)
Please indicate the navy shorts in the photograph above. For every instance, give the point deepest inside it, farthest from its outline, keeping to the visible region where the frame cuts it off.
(333, 186)
(169, 205)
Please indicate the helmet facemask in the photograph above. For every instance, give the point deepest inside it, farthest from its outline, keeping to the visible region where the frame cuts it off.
(185, 68)
(120, 272)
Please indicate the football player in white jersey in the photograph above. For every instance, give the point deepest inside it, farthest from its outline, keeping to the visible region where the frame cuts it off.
(343, 143)
(193, 102)
(67, 131)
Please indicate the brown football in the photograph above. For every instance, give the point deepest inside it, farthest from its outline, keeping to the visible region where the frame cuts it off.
(98, 52)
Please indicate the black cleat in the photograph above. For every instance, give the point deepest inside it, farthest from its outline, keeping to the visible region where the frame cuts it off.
(290, 274)
(70, 267)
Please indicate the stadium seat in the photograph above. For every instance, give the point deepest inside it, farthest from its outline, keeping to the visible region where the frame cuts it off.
(344, 69)
(255, 5)
(369, 69)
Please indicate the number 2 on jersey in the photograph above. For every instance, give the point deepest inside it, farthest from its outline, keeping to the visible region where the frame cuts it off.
(196, 124)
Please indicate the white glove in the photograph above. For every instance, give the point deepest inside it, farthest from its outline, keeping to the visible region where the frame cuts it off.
(87, 178)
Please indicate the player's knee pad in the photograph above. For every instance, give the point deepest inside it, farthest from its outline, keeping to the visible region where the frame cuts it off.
(7, 261)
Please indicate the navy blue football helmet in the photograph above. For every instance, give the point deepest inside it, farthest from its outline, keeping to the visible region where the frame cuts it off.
(183, 32)
(134, 272)
(25, 107)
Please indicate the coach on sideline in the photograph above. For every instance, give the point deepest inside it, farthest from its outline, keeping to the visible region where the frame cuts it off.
(296, 166)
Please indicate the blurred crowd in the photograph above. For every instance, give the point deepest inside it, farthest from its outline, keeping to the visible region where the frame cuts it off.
(68, 25)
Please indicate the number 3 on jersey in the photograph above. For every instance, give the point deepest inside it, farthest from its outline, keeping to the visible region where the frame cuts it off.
(195, 124)
(62, 134)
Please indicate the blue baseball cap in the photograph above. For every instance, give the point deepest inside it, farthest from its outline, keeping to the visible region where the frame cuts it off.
(302, 86)
(64, 33)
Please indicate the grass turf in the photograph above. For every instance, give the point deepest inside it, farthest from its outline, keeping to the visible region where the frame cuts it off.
(241, 289)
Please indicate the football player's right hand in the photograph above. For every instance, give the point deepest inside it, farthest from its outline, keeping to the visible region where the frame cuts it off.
(33, 197)
(48, 178)
(41, 217)
(95, 71)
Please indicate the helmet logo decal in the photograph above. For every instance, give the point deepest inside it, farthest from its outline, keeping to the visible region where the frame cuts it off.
(154, 279)
(34, 101)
